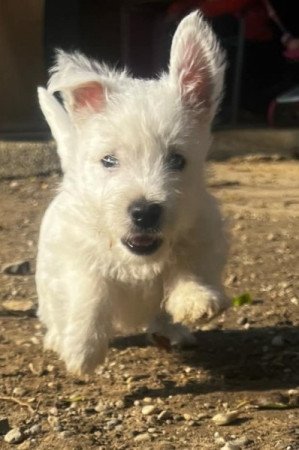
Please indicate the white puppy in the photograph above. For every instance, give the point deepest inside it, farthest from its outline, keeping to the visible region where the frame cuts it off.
(133, 240)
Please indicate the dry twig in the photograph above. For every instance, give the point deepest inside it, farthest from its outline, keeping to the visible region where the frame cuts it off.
(7, 398)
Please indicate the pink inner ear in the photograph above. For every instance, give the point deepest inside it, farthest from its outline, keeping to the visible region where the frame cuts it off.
(89, 95)
(194, 76)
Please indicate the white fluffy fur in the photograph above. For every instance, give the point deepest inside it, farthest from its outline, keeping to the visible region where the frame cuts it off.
(90, 286)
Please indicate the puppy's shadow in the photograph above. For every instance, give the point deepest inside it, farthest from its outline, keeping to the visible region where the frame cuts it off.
(258, 359)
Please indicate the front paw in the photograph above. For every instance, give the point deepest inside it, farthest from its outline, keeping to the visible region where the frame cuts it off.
(162, 329)
(83, 357)
(190, 303)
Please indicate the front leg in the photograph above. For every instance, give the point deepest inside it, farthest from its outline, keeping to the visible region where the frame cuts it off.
(176, 333)
(88, 324)
(189, 301)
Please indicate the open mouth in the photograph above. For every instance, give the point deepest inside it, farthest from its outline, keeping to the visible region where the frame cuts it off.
(142, 244)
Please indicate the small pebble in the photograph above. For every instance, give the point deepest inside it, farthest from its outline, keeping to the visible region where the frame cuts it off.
(53, 411)
(148, 410)
(19, 391)
(242, 320)
(35, 429)
(229, 446)
(34, 340)
(231, 279)
(243, 440)
(293, 391)
(101, 407)
(187, 416)
(209, 326)
(119, 404)
(26, 445)
(14, 436)
(142, 437)
(65, 434)
(112, 423)
(36, 370)
(53, 421)
(225, 418)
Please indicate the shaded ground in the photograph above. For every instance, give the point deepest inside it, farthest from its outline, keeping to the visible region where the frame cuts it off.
(247, 357)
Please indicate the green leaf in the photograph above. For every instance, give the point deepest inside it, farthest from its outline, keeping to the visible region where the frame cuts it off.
(274, 406)
(243, 299)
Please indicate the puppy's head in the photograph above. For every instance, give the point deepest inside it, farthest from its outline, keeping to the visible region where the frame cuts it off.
(133, 150)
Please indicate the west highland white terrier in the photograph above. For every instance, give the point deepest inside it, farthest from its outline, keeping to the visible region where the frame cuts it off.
(133, 240)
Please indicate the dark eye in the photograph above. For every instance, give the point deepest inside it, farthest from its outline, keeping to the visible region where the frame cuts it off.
(175, 161)
(109, 161)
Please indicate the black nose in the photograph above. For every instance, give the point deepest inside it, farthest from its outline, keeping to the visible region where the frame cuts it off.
(145, 215)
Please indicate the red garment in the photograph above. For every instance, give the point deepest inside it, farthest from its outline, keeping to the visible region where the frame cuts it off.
(257, 21)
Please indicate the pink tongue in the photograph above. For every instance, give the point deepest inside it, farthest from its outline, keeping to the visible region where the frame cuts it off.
(142, 240)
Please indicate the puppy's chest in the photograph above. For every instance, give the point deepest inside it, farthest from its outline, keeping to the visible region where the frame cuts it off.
(134, 306)
(138, 293)
(137, 297)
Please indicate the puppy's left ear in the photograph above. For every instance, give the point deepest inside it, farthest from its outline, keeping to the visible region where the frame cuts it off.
(197, 64)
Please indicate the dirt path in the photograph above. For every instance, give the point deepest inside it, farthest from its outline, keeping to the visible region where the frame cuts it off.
(247, 359)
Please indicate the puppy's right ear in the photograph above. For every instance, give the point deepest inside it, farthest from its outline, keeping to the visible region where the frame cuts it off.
(83, 84)
(61, 127)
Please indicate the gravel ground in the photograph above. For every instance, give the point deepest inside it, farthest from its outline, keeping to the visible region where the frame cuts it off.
(237, 389)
